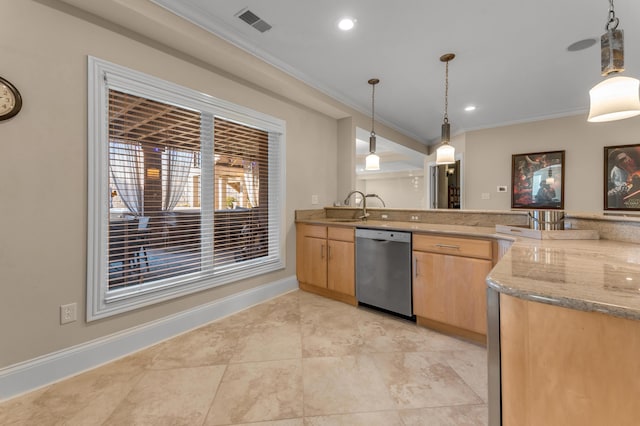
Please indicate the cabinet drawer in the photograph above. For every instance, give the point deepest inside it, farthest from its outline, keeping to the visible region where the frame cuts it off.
(341, 234)
(316, 231)
(454, 246)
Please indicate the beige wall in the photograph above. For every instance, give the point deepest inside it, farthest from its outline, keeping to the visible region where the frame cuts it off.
(406, 192)
(43, 172)
(488, 158)
(346, 160)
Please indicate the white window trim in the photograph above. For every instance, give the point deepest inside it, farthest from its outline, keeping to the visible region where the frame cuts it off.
(102, 76)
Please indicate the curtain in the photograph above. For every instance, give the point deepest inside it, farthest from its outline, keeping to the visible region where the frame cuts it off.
(126, 164)
(251, 181)
(176, 165)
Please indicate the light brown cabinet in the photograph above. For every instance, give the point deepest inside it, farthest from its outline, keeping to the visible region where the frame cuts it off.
(325, 261)
(314, 260)
(562, 366)
(449, 289)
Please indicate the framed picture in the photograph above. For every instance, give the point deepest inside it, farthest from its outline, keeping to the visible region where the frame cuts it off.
(537, 180)
(622, 177)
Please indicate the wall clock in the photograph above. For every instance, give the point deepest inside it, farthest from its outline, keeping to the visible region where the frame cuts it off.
(10, 100)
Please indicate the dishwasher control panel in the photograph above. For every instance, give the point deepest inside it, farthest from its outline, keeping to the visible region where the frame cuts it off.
(379, 234)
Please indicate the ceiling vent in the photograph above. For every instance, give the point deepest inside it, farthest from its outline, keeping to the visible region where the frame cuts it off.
(254, 20)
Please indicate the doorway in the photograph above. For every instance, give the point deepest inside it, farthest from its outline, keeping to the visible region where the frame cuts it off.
(445, 186)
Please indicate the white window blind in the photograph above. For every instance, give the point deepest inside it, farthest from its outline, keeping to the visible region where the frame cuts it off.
(241, 174)
(191, 187)
(154, 219)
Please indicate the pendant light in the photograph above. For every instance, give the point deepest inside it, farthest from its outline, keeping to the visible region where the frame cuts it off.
(372, 160)
(445, 154)
(615, 98)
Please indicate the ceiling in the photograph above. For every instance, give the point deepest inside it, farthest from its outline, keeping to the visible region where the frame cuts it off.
(512, 59)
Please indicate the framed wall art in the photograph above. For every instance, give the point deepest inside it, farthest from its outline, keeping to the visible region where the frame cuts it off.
(537, 180)
(622, 177)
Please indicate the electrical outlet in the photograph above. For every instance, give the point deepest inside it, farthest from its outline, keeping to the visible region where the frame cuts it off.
(485, 196)
(314, 199)
(68, 313)
(385, 216)
(415, 217)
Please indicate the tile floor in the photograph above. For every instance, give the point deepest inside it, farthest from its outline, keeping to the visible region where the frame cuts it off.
(297, 360)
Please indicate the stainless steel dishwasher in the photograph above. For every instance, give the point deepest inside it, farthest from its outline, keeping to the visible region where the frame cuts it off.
(383, 270)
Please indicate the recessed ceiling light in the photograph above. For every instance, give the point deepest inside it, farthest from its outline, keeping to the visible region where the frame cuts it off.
(470, 108)
(346, 24)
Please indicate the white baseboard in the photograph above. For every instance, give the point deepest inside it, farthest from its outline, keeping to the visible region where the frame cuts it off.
(38, 372)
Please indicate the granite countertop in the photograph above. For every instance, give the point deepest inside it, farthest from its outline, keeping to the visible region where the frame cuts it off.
(459, 230)
(589, 275)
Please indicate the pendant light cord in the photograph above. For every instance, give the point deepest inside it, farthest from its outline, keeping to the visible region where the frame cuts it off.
(446, 92)
(373, 107)
(612, 21)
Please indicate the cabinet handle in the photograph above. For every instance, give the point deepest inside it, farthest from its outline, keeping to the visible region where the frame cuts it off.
(328, 252)
(415, 267)
(322, 251)
(448, 246)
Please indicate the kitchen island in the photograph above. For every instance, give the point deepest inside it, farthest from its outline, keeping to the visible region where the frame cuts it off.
(564, 334)
(563, 323)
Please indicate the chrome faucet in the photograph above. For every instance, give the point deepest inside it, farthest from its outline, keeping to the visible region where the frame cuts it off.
(364, 203)
(376, 196)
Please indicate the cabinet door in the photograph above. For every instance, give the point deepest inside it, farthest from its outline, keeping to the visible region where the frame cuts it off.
(314, 262)
(471, 292)
(451, 290)
(341, 267)
(424, 286)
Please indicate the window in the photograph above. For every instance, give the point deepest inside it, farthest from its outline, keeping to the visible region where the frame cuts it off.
(185, 191)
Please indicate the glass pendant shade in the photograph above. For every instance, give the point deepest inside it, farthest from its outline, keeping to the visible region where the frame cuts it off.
(445, 154)
(372, 162)
(613, 99)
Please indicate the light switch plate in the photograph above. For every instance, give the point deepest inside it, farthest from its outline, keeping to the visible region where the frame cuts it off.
(314, 199)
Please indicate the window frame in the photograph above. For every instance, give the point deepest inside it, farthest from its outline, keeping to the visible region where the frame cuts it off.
(104, 75)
